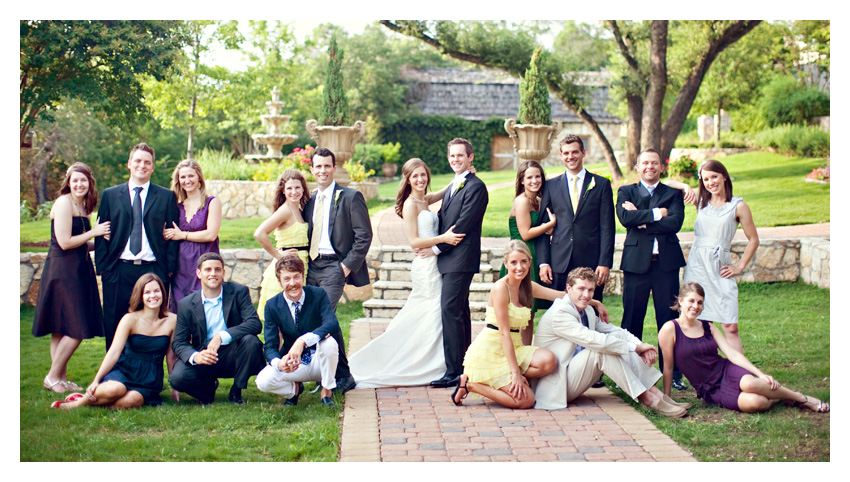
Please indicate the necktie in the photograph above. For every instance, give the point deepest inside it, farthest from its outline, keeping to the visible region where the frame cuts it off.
(574, 193)
(306, 356)
(296, 307)
(318, 219)
(583, 317)
(136, 232)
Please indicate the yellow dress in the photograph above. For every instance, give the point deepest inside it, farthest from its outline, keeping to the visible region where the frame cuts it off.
(485, 360)
(294, 236)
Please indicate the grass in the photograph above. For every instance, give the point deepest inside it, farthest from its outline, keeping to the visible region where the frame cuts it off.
(788, 340)
(261, 430)
(771, 184)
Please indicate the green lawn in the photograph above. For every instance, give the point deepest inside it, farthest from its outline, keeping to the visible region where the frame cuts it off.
(772, 185)
(788, 340)
(261, 430)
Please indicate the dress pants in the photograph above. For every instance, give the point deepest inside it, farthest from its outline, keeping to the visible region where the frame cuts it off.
(327, 274)
(322, 369)
(238, 360)
(664, 285)
(628, 371)
(457, 320)
(118, 286)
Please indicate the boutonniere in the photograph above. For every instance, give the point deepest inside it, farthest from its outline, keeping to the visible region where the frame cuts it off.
(459, 186)
(336, 197)
(590, 186)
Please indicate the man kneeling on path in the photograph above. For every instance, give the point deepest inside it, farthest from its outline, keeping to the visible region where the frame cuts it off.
(303, 318)
(586, 349)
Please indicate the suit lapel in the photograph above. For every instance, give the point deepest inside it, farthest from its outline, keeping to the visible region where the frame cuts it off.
(643, 195)
(657, 195)
(150, 200)
(124, 199)
(331, 221)
(226, 301)
(199, 316)
(564, 192)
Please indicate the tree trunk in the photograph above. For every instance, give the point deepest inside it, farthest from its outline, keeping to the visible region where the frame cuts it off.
(687, 94)
(635, 103)
(717, 125)
(650, 136)
(190, 144)
(38, 168)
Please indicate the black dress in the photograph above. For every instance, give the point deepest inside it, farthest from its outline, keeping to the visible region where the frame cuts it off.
(68, 300)
(140, 366)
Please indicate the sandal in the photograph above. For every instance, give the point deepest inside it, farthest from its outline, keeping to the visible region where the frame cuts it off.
(460, 385)
(822, 407)
(73, 386)
(57, 386)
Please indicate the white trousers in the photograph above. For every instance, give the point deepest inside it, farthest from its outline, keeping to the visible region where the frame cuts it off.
(628, 371)
(322, 369)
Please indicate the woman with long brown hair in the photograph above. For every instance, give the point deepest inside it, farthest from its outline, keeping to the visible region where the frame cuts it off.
(131, 373)
(197, 229)
(290, 231)
(68, 306)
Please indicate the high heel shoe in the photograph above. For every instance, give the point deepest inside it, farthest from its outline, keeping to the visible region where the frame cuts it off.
(460, 385)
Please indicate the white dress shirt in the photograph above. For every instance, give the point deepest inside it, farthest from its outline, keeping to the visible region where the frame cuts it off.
(325, 246)
(146, 253)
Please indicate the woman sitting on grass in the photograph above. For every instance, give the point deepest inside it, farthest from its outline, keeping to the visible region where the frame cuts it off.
(134, 378)
(732, 382)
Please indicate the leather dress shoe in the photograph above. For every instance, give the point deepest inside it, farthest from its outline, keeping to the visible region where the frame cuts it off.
(679, 385)
(671, 411)
(599, 383)
(290, 402)
(236, 396)
(328, 402)
(446, 382)
(345, 384)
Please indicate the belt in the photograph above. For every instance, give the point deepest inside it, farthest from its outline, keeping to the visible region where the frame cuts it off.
(137, 262)
(331, 257)
(494, 327)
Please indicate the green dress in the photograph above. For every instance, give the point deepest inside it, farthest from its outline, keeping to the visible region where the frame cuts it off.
(535, 276)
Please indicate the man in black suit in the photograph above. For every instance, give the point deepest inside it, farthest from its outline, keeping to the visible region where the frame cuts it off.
(138, 210)
(652, 214)
(583, 204)
(340, 231)
(215, 336)
(300, 316)
(463, 207)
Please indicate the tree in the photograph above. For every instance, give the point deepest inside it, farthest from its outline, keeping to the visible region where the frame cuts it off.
(534, 107)
(704, 41)
(94, 61)
(509, 48)
(335, 103)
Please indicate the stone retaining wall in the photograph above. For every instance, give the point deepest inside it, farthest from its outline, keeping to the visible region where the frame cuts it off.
(775, 260)
(254, 199)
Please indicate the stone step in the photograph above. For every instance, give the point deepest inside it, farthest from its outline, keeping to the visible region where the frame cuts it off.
(388, 320)
(400, 271)
(391, 254)
(400, 290)
(389, 308)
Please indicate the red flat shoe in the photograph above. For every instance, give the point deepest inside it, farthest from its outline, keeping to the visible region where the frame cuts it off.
(57, 403)
(74, 396)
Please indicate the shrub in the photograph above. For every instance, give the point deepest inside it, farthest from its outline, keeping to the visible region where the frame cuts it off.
(356, 171)
(806, 141)
(683, 166)
(534, 107)
(372, 156)
(334, 101)
(820, 173)
(788, 101)
(42, 211)
(222, 165)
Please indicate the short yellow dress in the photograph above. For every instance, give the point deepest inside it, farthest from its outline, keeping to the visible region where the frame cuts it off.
(294, 236)
(485, 360)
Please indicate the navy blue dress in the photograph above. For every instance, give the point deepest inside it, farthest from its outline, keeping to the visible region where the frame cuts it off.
(715, 379)
(140, 366)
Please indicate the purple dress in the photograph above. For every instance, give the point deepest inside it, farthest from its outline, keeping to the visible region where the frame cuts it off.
(716, 379)
(185, 280)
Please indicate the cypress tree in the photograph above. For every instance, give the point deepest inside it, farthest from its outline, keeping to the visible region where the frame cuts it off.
(334, 102)
(534, 107)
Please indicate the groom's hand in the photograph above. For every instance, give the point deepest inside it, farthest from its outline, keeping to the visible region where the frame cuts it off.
(546, 274)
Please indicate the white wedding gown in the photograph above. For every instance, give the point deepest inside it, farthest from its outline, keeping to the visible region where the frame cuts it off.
(410, 351)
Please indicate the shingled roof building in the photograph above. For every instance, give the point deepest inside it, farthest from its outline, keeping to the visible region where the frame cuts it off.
(478, 94)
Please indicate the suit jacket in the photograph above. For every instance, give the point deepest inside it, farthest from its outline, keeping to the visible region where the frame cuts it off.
(160, 210)
(637, 248)
(315, 317)
(350, 231)
(560, 331)
(240, 316)
(465, 211)
(583, 238)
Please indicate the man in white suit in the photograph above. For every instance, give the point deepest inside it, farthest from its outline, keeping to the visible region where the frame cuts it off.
(586, 349)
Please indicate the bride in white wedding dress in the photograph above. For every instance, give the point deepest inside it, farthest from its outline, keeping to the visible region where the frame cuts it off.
(410, 351)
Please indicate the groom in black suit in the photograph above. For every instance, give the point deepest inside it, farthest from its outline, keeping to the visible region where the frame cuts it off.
(583, 204)
(138, 210)
(652, 214)
(463, 207)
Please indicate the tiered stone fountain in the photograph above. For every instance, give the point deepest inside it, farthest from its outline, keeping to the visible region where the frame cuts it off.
(273, 139)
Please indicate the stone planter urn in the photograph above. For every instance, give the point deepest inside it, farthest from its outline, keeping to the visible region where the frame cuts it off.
(389, 169)
(532, 142)
(340, 140)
